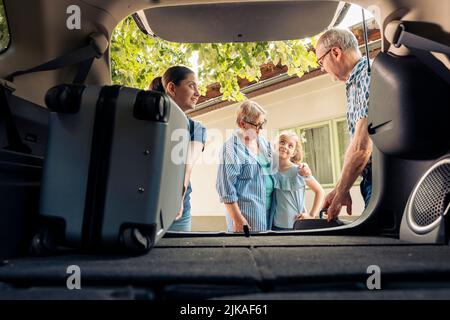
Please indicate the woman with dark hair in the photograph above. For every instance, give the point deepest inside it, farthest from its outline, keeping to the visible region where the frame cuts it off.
(181, 84)
(156, 84)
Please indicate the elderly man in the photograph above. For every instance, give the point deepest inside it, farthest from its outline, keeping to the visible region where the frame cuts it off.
(338, 54)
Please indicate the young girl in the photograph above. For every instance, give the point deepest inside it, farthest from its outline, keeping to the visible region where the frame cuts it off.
(289, 186)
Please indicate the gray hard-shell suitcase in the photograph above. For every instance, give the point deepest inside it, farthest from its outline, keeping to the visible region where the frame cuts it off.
(109, 179)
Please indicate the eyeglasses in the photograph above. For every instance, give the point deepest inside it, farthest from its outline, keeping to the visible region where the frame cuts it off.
(257, 126)
(319, 61)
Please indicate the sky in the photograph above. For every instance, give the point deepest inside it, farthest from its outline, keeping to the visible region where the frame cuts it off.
(354, 16)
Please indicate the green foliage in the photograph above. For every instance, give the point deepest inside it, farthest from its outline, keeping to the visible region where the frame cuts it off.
(138, 58)
(4, 32)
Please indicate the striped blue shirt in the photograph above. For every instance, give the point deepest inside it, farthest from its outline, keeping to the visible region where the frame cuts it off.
(240, 178)
(358, 94)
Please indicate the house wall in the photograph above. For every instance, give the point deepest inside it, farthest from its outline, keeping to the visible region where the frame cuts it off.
(304, 103)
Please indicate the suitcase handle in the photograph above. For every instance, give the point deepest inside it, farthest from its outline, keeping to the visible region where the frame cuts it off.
(64, 98)
(152, 106)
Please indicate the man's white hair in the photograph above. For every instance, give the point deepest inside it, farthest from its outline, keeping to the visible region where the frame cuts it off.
(337, 37)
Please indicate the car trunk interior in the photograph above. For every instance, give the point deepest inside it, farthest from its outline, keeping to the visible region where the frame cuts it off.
(310, 264)
(283, 267)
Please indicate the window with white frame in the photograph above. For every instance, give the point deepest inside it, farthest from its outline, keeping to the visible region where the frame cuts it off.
(343, 137)
(324, 145)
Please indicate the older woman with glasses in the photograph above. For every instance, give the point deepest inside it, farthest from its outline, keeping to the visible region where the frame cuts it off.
(244, 177)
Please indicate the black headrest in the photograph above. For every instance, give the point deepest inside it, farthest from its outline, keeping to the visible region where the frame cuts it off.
(64, 98)
(409, 108)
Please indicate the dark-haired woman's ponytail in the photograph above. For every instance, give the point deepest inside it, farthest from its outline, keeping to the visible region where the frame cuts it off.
(157, 85)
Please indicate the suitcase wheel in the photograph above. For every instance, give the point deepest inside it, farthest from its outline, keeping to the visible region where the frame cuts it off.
(43, 243)
(135, 241)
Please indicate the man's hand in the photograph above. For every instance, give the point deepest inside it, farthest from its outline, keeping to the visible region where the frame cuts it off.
(239, 223)
(329, 199)
(356, 158)
(334, 202)
(304, 170)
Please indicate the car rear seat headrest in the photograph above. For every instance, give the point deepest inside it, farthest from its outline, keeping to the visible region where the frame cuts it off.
(100, 42)
(408, 108)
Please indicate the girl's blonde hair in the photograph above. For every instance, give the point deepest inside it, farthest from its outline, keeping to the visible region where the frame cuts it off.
(298, 157)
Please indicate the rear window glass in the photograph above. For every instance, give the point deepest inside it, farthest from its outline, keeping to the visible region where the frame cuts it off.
(283, 77)
(4, 32)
